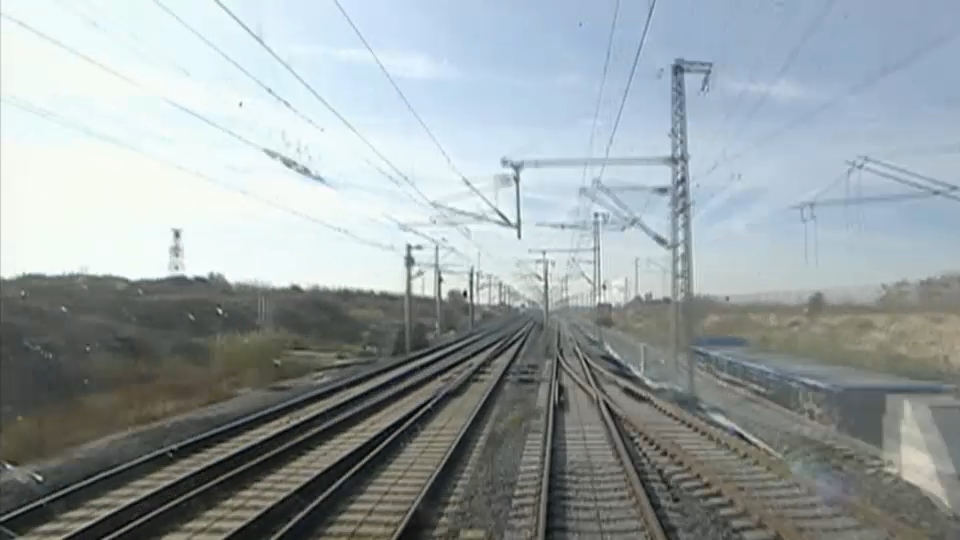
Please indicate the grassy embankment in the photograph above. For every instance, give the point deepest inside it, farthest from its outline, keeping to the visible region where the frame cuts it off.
(144, 393)
(916, 344)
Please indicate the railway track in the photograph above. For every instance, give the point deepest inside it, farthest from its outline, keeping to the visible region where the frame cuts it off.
(820, 450)
(190, 480)
(588, 487)
(830, 460)
(528, 510)
(754, 494)
(385, 494)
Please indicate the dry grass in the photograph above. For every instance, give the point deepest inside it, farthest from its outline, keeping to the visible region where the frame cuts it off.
(150, 393)
(914, 344)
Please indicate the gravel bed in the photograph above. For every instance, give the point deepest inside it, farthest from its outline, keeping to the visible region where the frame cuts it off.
(812, 452)
(485, 499)
(26, 484)
(682, 515)
(590, 494)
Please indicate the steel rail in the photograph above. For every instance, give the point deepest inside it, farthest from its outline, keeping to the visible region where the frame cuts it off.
(157, 510)
(745, 451)
(413, 519)
(32, 516)
(310, 517)
(40, 510)
(590, 386)
(543, 509)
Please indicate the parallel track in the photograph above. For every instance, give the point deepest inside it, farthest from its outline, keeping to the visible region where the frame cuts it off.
(829, 452)
(529, 504)
(757, 494)
(114, 508)
(383, 495)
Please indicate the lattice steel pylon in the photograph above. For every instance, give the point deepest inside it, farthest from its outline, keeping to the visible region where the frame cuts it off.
(681, 229)
(175, 264)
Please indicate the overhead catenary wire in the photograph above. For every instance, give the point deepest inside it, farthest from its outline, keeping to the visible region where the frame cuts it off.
(96, 63)
(720, 133)
(858, 87)
(808, 32)
(413, 111)
(626, 91)
(266, 88)
(578, 237)
(313, 92)
(132, 43)
(63, 122)
(603, 83)
(814, 24)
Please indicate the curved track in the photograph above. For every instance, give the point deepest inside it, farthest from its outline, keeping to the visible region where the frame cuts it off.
(755, 494)
(590, 488)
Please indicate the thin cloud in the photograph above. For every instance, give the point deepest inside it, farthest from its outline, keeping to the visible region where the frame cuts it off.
(403, 64)
(783, 90)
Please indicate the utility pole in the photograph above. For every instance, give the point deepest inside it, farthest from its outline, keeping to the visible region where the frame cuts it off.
(175, 265)
(681, 226)
(680, 243)
(478, 283)
(438, 287)
(407, 308)
(597, 258)
(546, 289)
(600, 222)
(626, 291)
(546, 273)
(636, 277)
(664, 274)
(470, 294)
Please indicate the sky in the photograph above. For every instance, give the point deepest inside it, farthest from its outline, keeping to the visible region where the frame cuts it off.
(167, 133)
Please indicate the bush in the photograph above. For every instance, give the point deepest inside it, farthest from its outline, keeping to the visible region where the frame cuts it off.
(418, 339)
(816, 304)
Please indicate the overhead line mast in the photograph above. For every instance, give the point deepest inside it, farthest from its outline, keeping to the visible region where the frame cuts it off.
(680, 243)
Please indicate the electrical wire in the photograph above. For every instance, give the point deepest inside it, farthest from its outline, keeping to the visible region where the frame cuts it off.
(414, 112)
(603, 82)
(289, 69)
(196, 33)
(74, 52)
(626, 91)
(855, 89)
(63, 122)
(808, 32)
(577, 238)
(132, 44)
(289, 163)
(289, 106)
(720, 132)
